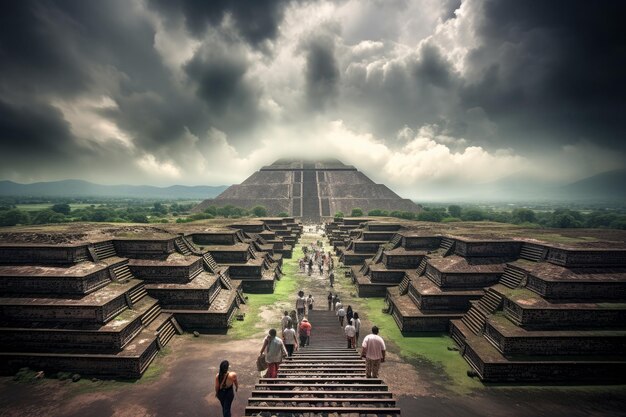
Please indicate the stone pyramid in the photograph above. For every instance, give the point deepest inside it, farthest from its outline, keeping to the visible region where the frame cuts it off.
(311, 190)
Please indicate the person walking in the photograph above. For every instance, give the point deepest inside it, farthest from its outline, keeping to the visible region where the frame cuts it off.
(305, 332)
(285, 321)
(338, 305)
(331, 278)
(356, 321)
(341, 314)
(290, 340)
(300, 305)
(309, 301)
(335, 300)
(349, 314)
(310, 266)
(330, 301)
(374, 353)
(350, 333)
(274, 350)
(224, 383)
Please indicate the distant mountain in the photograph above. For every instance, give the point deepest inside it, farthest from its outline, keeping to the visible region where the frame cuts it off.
(610, 185)
(78, 188)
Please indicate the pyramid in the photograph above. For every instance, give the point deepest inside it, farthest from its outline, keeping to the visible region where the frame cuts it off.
(310, 190)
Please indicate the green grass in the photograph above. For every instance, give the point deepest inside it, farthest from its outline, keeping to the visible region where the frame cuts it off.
(430, 348)
(285, 290)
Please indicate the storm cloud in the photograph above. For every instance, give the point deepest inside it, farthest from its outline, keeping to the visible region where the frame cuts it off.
(414, 92)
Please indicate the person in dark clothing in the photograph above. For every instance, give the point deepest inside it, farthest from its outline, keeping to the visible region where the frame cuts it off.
(330, 301)
(349, 314)
(224, 383)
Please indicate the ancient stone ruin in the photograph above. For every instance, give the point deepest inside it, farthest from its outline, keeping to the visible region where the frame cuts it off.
(310, 190)
(104, 301)
(520, 309)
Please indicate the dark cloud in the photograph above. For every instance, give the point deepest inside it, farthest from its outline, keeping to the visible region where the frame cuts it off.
(322, 71)
(552, 71)
(256, 20)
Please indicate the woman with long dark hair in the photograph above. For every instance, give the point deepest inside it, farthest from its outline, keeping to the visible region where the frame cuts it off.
(224, 383)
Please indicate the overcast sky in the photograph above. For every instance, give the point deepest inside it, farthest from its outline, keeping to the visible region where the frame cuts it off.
(417, 94)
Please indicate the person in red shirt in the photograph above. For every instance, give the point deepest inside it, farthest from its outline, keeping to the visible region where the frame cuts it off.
(305, 332)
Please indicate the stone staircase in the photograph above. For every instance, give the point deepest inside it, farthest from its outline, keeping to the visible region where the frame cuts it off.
(447, 245)
(137, 293)
(104, 250)
(210, 263)
(122, 272)
(182, 247)
(395, 241)
(403, 288)
(476, 316)
(512, 277)
(422, 267)
(534, 253)
(325, 377)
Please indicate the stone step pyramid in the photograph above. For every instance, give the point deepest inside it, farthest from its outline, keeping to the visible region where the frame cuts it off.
(310, 190)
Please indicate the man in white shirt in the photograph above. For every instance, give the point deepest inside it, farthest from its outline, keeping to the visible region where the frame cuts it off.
(373, 352)
(300, 305)
(350, 332)
(341, 313)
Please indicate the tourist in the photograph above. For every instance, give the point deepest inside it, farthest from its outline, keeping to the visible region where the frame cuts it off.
(331, 278)
(310, 266)
(349, 314)
(341, 314)
(300, 305)
(274, 350)
(310, 301)
(290, 340)
(301, 264)
(294, 317)
(305, 332)
(356, 321)
(285, 321)
(224, 383)
(338, 304)
(350, 332)
(335, 299)
(330, 301)
(373, 352)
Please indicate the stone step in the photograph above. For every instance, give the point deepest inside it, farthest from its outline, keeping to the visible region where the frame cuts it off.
(511, 277)
(422, 267)
(532, 252)
(137, 293)
(104, 250)
(149, 316)
(122, 272)
(379, 411)
(326, 393)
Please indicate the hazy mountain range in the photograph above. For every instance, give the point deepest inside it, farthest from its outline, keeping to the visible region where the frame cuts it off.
(607, 186)
(79, 188)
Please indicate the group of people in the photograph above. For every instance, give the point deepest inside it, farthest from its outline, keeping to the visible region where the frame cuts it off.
(316, 260)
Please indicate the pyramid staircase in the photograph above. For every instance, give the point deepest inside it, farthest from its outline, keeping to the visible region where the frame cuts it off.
(512, 277)
(325, 377)
(476, 316)
(447, 245)
(103, 250)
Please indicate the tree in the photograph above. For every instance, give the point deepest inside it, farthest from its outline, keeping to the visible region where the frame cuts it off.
(378, 212)
(356, 212)
(211, 210)
(259, 211)
(48, 216)
(159, 209)
(473, 215)
(13, 217)
(430, 216)
(282, 214)
(62, 208)
(522, 215)
(339, 215)
(454, 210)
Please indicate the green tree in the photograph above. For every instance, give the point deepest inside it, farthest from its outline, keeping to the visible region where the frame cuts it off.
(282, 214)
(211, 210)
(259, 211)
(523, 215)
(13, 217)
(378, 212)
(62, 208)
(454, 210)
(430, 216)
(473, 215)
(356, 212)
(48, 216)
(339, 215)
(159, 209)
